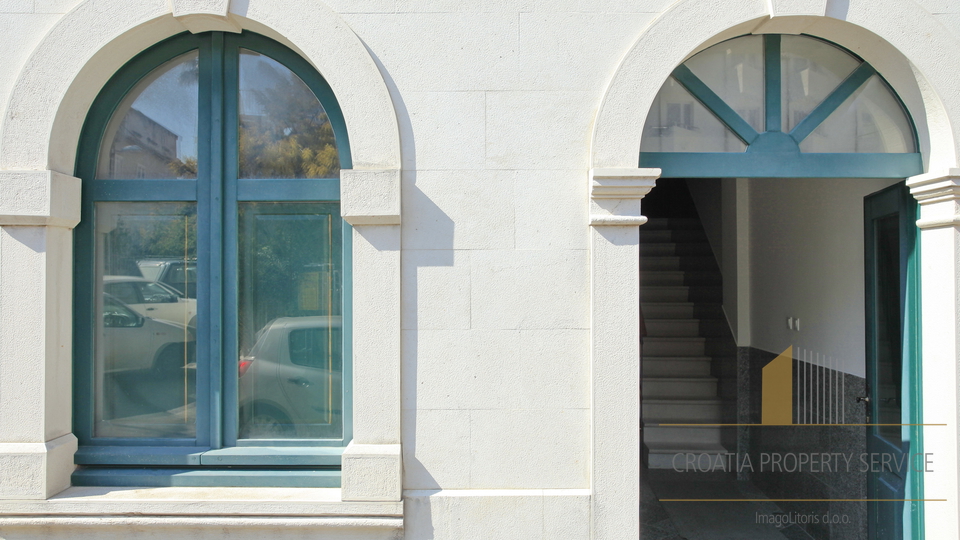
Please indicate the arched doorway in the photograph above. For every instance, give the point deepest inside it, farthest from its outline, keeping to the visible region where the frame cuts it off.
(767, 275)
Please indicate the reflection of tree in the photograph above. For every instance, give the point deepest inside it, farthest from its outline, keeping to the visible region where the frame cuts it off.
(140, 237)
(184, 169)
(284, 249)
(292, 137)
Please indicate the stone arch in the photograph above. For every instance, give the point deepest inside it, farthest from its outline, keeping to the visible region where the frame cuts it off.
(63, 75)
(902, 40)
(38, 143)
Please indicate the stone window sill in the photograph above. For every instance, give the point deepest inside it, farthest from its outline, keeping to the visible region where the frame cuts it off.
(197, 501)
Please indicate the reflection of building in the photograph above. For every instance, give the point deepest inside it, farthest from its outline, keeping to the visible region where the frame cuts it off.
(143, 148)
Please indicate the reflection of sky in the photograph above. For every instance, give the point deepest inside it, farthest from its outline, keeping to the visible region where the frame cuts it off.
(171, 101)
(260, 73)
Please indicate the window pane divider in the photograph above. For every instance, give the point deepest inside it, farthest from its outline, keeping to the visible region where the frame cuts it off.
(836, 98)
(772, 82)
(293, 189)
(144, 190)
(740, 127)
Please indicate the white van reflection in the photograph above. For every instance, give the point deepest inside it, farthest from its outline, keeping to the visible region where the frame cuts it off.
(290, 382)
(152, 299)
(134, 342)
(147, 385)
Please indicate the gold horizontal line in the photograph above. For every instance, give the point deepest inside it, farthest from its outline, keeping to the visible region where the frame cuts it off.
(802, 500)
(794, 425)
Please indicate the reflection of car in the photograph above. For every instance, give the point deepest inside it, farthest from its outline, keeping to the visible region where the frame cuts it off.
(152, 299)
(290, 381)
(134, 342)
(179, 274)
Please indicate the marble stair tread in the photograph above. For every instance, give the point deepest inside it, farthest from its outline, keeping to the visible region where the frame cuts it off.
(678, 262)
(652, 249)
(653, 310)
(706, 447)
(674, 346)
(672, 223)
(680, 293)
(688, 387)
(679, 277)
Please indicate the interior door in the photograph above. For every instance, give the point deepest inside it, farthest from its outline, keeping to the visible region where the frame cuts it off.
(890, 259)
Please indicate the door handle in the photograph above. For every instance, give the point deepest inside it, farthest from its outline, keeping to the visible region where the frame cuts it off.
(151, 309)
(863, 399)
(300, 381)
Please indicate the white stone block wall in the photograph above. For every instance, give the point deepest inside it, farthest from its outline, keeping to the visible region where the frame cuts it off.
(505, 313)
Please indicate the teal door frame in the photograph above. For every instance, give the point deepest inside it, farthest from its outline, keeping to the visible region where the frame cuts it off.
(903, 519)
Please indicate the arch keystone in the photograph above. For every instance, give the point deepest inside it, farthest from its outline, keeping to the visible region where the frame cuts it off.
(204, 15)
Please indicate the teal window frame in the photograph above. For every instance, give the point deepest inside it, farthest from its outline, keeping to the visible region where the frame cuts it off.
(215, 457)
(775, 153)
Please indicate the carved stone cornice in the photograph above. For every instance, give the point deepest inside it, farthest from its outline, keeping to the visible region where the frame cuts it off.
(370, 196)
(939, 196)
(615, 195)
(39, 198)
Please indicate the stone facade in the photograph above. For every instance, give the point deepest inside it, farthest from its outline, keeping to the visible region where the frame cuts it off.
(495, 199)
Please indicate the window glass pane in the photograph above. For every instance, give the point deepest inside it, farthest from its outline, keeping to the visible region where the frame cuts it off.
(153, 133)
(870, 120)
(677, 122)
(810, 70)
(290, 320)
(144, 366)
(734, 71)
(284, 131)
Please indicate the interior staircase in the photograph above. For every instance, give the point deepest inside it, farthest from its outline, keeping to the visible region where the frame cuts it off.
(681, 295)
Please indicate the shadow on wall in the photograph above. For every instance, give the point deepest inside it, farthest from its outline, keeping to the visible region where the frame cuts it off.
(438, 229)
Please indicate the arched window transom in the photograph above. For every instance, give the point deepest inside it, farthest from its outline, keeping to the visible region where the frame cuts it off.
(778, 106)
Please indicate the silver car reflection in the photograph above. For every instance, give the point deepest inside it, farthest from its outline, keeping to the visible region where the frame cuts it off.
(290, 382)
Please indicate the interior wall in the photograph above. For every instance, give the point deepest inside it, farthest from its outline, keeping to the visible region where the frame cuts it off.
(806, 238)
(706, 193)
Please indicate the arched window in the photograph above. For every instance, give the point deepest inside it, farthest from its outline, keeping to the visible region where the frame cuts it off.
(211, 336)
(778, 106)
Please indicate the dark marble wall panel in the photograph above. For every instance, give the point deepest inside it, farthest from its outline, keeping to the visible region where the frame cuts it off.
(810, 435)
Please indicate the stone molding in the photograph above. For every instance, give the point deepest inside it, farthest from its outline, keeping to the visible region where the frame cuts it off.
(372, 473)
(615, 195)
(39, 198)
(204, 15)
(35, 471)
(370, 196)
(938, 194)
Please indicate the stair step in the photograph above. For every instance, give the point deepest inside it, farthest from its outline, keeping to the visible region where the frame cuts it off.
(671, 235)
(672, 223)
(678, 262)
(681, 411)
(677, 310)
(679, 436)
(653, 249)
(680, 293)
(679, 277)
(679, 387)
(664, 346)
(678, 366)
(686, 327)
(711, 457)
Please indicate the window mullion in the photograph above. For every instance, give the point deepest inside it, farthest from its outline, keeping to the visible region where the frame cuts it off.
(214, 205)
(228, 369)
(772, 82)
